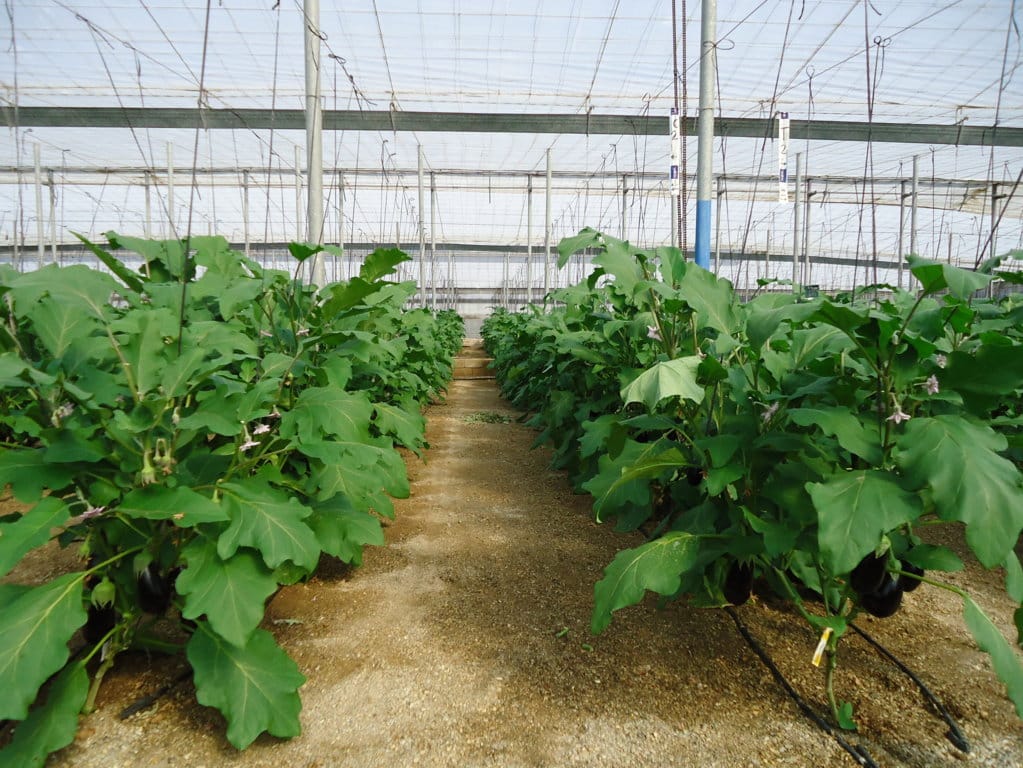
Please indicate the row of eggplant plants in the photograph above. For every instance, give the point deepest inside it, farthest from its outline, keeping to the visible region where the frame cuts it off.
(802, 443)
(203, 430)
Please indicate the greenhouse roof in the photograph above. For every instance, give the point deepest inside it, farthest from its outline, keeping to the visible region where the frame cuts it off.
(908, 64)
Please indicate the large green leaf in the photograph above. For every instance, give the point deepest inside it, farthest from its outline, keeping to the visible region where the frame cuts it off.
(343, 531)
(254, 686)
(619, 481)
(404, 423)
(569, 246)
(230, 592)
(182, 505)
(863, 440)
(30, 531)
(28, 473)
(713, 299)
(165, 258)
(1003, 658)
(361, 471)
(381, 263)
(992, 370)
(130, 278)
(937, 276)
(970, 482)
(34, 635)
(58, 324)
(665, 379)
(269, 521)
(657, 565)
(143, 345)
(78, 285)
(854, 510)
(769, 311)
(619, 261)
(51, 725)
(329, 411)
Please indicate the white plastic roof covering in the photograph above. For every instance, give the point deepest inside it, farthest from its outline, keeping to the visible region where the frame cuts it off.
(943, 62)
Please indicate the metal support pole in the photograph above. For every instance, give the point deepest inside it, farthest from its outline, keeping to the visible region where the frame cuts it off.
(995, 197)
(314, 137)
(705, 156)
(148, 223)
(343, 273)
(717, 228)
(807, 273)
(902, 226)
(767, 257)
(422, 234)
(529, 239)
(950, 245)
(299, 232)
(547, 232)
(625, 202)
(504, 280)
(170, 191)
(912, 210)
(53, 216)
(797, 224)
(40, 237)
(245, 212)
(674, 221)
(433, 242)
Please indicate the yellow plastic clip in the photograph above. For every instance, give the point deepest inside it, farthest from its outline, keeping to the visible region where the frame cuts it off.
(819, 653)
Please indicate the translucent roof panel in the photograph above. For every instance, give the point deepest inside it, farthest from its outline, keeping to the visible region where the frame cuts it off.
(942, 62)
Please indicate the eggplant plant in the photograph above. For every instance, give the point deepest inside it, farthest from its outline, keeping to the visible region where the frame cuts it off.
(202, 430)
(803, 442)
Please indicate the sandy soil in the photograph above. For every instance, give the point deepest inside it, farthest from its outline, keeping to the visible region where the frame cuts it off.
(465, 642)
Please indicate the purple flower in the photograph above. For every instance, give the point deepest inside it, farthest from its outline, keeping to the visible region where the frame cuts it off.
(248, 444)
(941, 360)
(932, 386)
(653, 333)
(898, 416)
(92, 511)
(769, 413)
(261, 429)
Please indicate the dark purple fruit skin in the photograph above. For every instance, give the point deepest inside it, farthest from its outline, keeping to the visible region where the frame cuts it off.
(908, 583)
(870, 574)
(154, 590)
(885, 601)
(100, 621)
(694, 475)
(738, 583)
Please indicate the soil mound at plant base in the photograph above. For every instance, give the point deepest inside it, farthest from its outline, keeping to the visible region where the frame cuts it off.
(465, 642)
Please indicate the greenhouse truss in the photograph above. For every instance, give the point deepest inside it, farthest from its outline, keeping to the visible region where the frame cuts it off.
(476, 136)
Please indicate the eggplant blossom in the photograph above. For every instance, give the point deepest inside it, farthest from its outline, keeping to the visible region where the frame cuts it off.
(898, 415)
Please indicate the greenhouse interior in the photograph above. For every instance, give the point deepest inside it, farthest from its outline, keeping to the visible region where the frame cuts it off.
(448, 383)
(843, 135)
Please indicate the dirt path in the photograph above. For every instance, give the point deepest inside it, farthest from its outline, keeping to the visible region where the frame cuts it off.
(464, 642)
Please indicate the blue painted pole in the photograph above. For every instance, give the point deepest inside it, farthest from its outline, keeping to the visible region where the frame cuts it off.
(705, 129)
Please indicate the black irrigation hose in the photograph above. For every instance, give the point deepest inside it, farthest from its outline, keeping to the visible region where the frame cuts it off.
(145, 702)
(954, 735)
(858, 752)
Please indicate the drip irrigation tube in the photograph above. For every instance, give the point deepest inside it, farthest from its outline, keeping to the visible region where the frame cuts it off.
(954, 735)
(858, 752)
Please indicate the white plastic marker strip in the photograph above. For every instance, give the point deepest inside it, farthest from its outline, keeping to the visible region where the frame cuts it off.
(783, 157)
(675, 132)
(825, 636)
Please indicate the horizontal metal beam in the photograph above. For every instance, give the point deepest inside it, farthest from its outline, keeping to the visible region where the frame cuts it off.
(75, 253)
(495, 122)
(258, 175)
